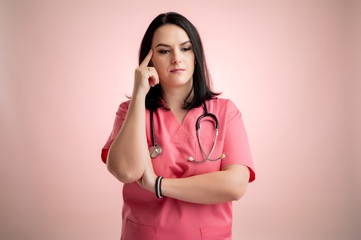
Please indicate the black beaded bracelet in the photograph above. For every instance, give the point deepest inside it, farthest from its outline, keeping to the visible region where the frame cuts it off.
(158, 189)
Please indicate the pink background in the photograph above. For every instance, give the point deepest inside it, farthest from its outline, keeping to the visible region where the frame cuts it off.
(290, 67)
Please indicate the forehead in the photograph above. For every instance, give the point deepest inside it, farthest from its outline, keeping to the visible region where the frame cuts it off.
(169, 34)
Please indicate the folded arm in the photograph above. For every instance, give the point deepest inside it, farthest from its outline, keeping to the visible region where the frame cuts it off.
(226, 185)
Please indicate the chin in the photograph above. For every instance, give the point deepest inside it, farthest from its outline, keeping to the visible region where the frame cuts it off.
(176, 82)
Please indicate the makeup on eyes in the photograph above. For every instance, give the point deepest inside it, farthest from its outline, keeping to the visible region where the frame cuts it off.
(164, 51)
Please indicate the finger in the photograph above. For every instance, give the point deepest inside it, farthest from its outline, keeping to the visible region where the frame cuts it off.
(147, 59)
(153, 78)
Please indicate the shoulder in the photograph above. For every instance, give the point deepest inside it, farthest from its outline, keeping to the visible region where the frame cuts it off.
(222, 106)
(123, 107)
(125, 104)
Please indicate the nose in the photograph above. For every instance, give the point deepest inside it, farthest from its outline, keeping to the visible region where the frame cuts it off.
(176, 57)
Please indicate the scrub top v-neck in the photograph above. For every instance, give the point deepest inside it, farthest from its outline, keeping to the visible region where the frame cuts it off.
(147, 217)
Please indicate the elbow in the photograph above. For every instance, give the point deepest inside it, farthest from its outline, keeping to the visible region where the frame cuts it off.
(123, 174)
(124, 177)
(237, 192)
(239, 179)
(237, 195)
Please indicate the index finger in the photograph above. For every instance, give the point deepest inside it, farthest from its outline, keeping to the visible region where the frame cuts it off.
(147, 59)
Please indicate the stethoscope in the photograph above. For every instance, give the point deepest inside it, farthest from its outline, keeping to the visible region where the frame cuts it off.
(155, 150)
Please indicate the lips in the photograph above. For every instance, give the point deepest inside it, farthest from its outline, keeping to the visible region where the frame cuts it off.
(177, 70)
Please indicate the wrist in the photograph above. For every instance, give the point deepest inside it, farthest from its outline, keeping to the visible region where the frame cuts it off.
(139, 94)
(158, 187)
(152, 186)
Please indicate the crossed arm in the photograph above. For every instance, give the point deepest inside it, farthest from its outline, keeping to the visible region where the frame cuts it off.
(226, 185)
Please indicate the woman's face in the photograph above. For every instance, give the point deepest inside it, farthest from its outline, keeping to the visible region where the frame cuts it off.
(173, 56)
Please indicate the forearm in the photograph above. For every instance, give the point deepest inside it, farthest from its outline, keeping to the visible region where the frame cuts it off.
(129, 150)
(215, 187)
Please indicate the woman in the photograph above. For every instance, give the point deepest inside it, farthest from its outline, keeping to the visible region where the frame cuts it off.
(185, 189)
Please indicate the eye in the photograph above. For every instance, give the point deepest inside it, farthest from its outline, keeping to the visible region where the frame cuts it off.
(187, 49)
(163, 51)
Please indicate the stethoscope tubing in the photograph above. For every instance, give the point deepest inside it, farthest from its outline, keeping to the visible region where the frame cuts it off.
(152, 126)
(210, 153)
(156, 149)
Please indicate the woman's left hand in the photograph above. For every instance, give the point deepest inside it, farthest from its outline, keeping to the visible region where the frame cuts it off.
(148, 179)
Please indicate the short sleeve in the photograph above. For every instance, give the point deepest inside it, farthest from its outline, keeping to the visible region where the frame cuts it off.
(236, 145)
(118, 122)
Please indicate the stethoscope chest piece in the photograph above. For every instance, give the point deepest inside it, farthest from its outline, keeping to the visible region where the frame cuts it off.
(155, 151)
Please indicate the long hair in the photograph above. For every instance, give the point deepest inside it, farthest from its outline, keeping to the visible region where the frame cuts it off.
(201, 78)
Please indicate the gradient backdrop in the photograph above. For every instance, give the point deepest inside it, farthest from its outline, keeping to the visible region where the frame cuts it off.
(291, 67)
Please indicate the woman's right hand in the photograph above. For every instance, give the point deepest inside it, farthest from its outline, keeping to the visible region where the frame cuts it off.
(145, 77)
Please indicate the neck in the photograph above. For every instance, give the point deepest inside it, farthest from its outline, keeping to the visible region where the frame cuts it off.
(174, 97)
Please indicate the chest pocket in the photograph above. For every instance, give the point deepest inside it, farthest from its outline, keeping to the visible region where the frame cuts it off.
(208, 166)
(173, 162)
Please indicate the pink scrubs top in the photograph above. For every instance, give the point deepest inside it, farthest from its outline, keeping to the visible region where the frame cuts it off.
(147, 217)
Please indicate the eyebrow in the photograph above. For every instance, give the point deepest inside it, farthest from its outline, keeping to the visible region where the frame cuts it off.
(165, 45)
